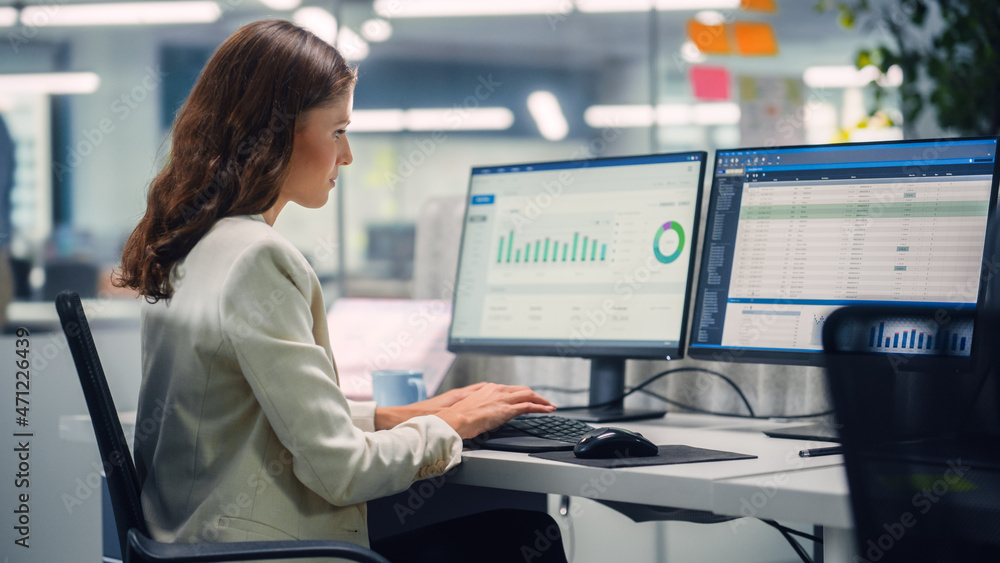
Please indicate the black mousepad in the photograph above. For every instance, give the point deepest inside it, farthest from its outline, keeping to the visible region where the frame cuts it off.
(668, 455)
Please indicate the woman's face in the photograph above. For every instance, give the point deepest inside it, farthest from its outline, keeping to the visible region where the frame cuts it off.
(319, 150)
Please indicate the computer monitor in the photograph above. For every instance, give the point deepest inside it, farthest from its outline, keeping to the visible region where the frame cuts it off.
(795, 232)
(580, 258)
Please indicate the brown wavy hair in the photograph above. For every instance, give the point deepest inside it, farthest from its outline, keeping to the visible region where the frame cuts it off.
(232, 141)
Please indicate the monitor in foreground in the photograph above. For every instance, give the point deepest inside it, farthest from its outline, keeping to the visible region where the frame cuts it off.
(795, 232)
(580, 258)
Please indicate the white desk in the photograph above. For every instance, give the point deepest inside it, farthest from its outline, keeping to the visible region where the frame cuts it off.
(778, 485)
(785, 486)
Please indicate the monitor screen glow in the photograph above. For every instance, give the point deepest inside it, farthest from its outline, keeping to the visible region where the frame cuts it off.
(794, 233)
(583, 258)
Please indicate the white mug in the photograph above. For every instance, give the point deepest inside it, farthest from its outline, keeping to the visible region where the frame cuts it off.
(395, 387)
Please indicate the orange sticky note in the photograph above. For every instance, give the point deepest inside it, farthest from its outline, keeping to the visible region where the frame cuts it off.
(759, 5)
(755, 39)
(710, 39)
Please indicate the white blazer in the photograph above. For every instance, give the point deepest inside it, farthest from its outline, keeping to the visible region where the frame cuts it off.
(242, 432)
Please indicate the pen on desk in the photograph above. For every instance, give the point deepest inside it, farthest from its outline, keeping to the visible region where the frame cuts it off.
(816, 452)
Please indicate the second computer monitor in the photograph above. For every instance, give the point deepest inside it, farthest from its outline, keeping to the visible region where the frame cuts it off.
(795, 232)
(585, 258)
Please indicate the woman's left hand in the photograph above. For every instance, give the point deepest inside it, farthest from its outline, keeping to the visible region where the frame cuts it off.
(389, 417)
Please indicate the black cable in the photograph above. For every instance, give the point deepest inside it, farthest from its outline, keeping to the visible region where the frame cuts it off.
(693, 408)
(641, 386)
(799, 550)
(663, 374)
(694, 369)
(811, 537)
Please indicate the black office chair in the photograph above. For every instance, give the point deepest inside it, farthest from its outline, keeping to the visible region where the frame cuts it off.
(123, 482)
(919, 429)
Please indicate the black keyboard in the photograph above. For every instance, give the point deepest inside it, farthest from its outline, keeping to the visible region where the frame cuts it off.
(551, 427)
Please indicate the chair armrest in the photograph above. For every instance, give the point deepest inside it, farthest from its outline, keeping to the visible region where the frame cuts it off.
(145, 550)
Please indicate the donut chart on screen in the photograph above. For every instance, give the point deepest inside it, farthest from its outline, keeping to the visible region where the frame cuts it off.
(669, 226)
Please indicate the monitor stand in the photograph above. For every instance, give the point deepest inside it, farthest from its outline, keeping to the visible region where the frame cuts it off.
(607, 387)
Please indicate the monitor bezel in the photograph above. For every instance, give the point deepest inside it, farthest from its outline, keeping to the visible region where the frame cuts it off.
(556, 348)
(816, 358)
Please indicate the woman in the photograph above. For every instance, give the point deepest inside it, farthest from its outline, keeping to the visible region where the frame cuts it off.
(254, 439)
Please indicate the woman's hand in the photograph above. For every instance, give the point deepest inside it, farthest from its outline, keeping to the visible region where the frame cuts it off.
(490, 406)
(389, 417)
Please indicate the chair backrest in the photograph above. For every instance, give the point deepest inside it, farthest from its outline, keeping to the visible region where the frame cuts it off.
(123, 482)
(923, 465)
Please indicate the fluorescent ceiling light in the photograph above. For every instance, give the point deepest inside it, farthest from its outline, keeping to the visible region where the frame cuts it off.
(614, 5)
(376, 30)
(50, 83)
(662, 5)
(846, 76)
(351, 45)
(318, 21)
(121, 13)
(443, 119)
(372, 120)
(389, 9)
(618, 116)
(723, 113)
(545, 110)
(282, 4)
(8, 17)
(720, 113)
(459, 119)
(674, 114)
(691, 53)
(710, 17)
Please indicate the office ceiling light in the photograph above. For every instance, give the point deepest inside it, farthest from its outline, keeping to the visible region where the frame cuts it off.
(376, 30)
(674, 114)
(662, 5)
(459, 119)
(318, 21)
(376, 120)
(351, 45)
(600, 117)
(390, 9)
(846, 76)
(721, 113)
(283, 5)
(50, 83)
(691, 53)
(8, 17)
(593, 6)
(724, 113)
(430, 119)
(710, 17)
(121, 13)
(545, 110)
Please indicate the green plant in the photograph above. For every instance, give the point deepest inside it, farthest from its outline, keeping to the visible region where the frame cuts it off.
(955, 44)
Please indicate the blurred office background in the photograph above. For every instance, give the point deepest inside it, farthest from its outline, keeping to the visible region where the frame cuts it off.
(444, 86)
(88, 92)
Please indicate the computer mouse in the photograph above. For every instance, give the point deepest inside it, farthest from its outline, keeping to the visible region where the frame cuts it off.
(608, 443)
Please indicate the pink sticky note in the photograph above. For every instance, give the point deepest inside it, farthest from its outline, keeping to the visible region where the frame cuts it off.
(710, 83)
